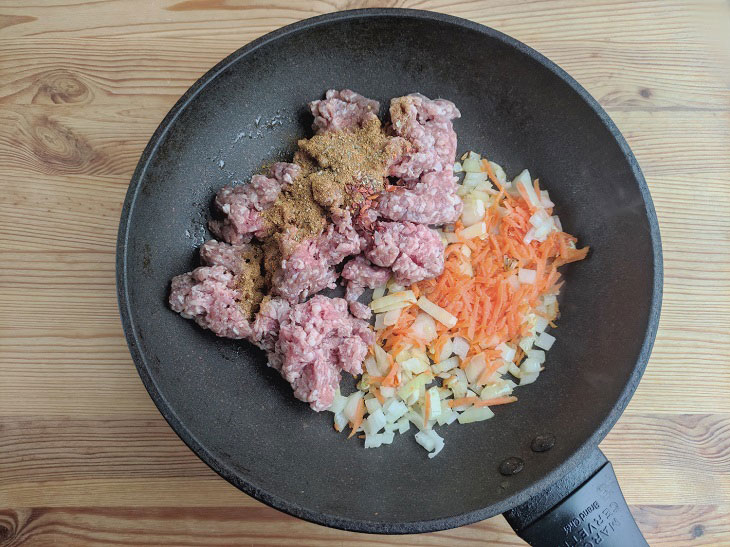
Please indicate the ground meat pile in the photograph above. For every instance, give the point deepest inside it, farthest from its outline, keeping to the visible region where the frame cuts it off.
(356, 189)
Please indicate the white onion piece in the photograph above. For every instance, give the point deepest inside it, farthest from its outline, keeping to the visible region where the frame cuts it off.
(351, 406)
(474, 211)
(446, 351)
(498, 172)
(541, 324)
(341, 421)
(528, 378)
(545, 341)
(527, 276)
(472, 165)
(529, 366)
(475, 367)
(379, 318)
(475, 414)
(446, 364)
(475, 230)
(372, 404)
(378, 292)
(435, 402)
(498, 389)
(387, 392)
(508, 352)
(371, 366)
(374, 422)
(391, 317)
(424, 327)
(536, 354)
(474, 178)
(338, 403)
(437, 312)
(460, 347)
(457, 167)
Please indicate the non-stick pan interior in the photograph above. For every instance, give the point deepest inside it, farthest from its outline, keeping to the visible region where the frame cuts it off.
(240, 416)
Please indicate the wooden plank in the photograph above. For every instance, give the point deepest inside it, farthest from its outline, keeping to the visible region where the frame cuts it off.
(55, 461)
(260, 525)
(86, 457)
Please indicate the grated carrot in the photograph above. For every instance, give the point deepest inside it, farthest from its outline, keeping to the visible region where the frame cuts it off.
(359, 415)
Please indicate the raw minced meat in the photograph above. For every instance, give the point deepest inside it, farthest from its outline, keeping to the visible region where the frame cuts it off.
(317, 340)
(208, 295)
(311, 341)
(241, 205)
(310, 267)
(413, 252)
(216, 253)
(341, 110)
(265, 328)
(361, 271)
(432, 200)
(426, 125)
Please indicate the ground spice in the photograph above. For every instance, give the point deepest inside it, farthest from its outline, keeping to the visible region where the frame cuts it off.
(338, 170)
(250, 282)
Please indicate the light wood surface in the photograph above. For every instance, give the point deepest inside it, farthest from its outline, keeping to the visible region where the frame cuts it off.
(85, 458)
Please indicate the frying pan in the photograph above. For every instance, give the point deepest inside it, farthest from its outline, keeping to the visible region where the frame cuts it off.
(537, 460)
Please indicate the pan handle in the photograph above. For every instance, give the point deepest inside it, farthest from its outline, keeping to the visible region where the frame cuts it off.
(583, 509)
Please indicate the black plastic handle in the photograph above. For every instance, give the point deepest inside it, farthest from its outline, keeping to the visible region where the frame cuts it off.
(584, 509)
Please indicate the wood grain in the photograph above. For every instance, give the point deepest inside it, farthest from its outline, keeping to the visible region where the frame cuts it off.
(86, 459)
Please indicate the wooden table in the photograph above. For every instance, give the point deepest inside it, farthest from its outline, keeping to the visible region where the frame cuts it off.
(85, 458)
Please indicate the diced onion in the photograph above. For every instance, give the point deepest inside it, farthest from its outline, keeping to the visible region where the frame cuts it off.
(424, 326)
(474, 211)
(457, 167)
(472, 165)
(387, 391)
(379, 321)
(393, 298)
(437, 312)
(499, 172)
(474, 178)
(340, 421)
(475, 367)
(526, 343)
(372, 404)
(351, 406)
(498, 389)
(338, 403)
(541, 324)
(536, 354)
(539, 218)
(475, 414)
(381, 357)
(404, 424)
(414, 365)
(391, 317)
(394, 409)
(529, 366)
(446, 364)
(460, 347)
(527, 276)
(446, 351)
(451, 237)
(475, 230)
(374, 422)
(415, 385)
(371, 366)
(545, 341)
(528, 378)
(514, 370)
(378, 292)
(508, 352)
(435, 402)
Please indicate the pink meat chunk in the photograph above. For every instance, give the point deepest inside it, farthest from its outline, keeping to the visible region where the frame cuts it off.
(341, 110)
(413, 252)
(361, 273)
(317, 340)
(266, 326)
(426, 124)
(208, 295)
(433, 200)
(241, 206)
(216, 253)
(310, 268)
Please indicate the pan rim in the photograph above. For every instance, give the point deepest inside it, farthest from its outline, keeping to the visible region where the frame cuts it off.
(333, 520)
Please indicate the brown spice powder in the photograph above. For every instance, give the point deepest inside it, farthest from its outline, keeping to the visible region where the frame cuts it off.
(338, 169)
(250, 282)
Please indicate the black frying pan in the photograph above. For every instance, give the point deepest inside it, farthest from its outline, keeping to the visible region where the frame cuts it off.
(240, 417)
